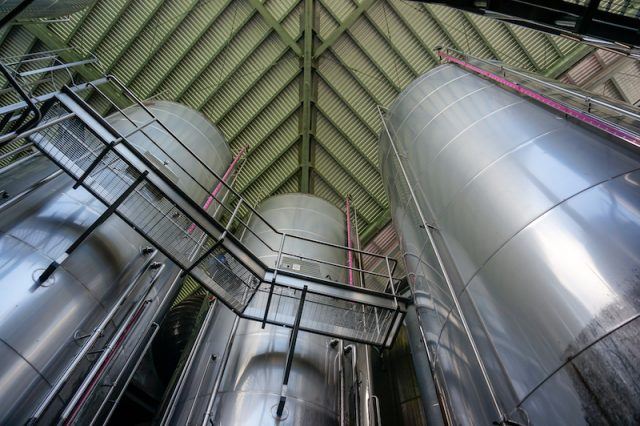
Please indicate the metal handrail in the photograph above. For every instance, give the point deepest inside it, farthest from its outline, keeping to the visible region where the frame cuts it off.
(220, 180)
(598, 122)
(454, 296)
(573, 93)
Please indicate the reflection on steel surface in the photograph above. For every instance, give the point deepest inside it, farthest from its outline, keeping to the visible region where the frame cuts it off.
(42, 328)
(537, 223)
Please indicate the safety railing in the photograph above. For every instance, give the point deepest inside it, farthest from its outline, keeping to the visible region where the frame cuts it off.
(616, 119)
(140, 135)
(131, 172)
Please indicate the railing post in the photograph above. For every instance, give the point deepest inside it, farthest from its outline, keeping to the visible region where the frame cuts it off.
(273, 280)
(217, 243)
(290, 352)
(103, 217)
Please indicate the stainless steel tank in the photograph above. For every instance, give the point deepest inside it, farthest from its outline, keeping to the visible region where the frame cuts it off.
(45, 8)
(536, 221)
(43, 327)
(248, 389)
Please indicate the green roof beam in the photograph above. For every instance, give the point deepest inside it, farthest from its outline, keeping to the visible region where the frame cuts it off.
(231, 74)
(563, 65)
(276, 26)
(346, 137)
(344, 26)
(348, 172)
(377, 225)
(192, 43)
(308, 97)
(432, 55)
(89, 73)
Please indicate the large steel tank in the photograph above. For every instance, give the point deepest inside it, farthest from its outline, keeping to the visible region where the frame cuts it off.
(536, 221)
(248, 388)
(45, 8)
(42, 328)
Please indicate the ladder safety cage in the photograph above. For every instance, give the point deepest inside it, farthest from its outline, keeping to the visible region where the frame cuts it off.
(197, 225)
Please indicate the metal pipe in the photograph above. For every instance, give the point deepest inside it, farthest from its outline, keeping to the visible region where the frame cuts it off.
(156, 328)
(349, 252)
(354, 376)
(90, 380)
(97, 333)
(590, 119)
(219, 374)
(8, 137)
(368, 371)
(16, 151)
(187, 368)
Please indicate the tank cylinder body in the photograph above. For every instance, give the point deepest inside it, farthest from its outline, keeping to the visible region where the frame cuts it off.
(45, 8)
(536, 221)
(250, 384)
(42, 328)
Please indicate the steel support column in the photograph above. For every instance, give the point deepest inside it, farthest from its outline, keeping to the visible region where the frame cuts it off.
(308, 96)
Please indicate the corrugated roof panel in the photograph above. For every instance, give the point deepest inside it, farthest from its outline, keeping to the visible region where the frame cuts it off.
(17, 42)
(66, 28)
(409, 48)
(323, 190)
(340, 9)
(243, 115)
(419, 17)
(374, 45)
(272, 178)
(326, 22)
(291, 22)
(100, 19)
(334, 174)
(251, 90)
(252, 36)
(355, 130)
(262, 153)
(537, 45)
(463, 33)
(279, 8)
(350, 55)
(565, 44)
(265, 122)
(127, 27)
(629, 81)
(344, 149)
(502, 41)
(209, 39)
(166, 34)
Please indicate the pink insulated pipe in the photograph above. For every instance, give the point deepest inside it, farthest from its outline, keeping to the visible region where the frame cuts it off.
(575, 113)
(349, 252)
(218, 187)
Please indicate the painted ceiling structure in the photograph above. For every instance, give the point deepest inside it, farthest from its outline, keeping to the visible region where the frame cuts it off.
(298, 82)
